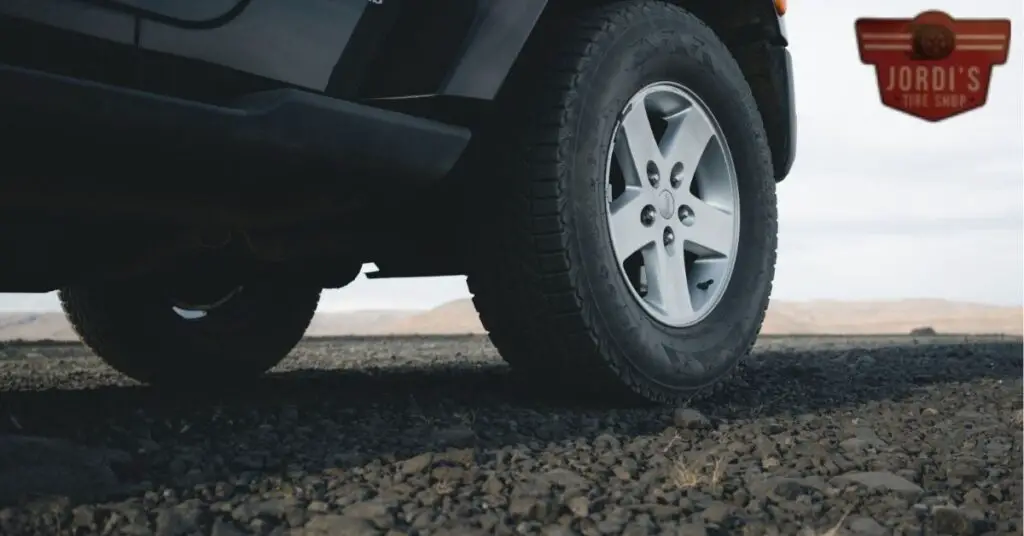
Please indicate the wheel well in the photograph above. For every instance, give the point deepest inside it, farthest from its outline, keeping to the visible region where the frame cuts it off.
(751, 30)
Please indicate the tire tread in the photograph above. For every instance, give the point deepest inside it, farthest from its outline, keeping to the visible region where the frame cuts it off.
(528, 291)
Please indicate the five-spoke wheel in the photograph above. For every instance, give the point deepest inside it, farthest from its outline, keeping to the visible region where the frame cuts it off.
(673, 209)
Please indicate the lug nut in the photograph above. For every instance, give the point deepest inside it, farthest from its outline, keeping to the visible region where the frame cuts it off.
(669, 236)
(686, 215)
(675, 178)
(647, 215)
(653, 175)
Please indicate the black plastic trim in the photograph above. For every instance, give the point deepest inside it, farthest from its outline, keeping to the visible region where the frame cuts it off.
(497, 36)
(417, 53)
(362, 48)
(783, 136)
(354, 140)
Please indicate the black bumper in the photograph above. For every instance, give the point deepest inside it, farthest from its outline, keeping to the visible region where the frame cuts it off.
(96, 131)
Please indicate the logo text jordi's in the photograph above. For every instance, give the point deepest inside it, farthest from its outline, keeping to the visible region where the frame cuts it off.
(933, 66)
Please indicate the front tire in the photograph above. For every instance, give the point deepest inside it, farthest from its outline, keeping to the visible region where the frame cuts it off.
(556, 297)
(137, 331)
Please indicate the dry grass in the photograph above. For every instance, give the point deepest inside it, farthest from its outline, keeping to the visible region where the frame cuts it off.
(837, 529)
(684, 475)
(444, 487)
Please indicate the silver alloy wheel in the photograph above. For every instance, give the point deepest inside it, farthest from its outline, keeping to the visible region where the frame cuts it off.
(673, 204)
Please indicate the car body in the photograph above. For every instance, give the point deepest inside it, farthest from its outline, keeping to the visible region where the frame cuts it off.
(313, 134)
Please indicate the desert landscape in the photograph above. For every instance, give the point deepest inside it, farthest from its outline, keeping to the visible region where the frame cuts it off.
(783, 318)
(408, 423)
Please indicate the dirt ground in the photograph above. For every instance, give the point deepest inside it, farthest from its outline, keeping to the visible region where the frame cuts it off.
(430, 435)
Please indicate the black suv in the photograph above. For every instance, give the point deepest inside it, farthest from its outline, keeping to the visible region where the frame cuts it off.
(190, 174)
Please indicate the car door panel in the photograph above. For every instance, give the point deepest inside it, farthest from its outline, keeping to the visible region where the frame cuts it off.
(293, 41)
(492, 46)
(76, 16)
(180, 10)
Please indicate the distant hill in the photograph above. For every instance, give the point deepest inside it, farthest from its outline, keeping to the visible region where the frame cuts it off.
(458, 317)
(455, 317)
(828, 316)
(356, 322)
(35, 326)
(812, 317)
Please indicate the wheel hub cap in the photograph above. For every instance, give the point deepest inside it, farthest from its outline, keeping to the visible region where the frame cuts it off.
(673, 204)
(666, 204)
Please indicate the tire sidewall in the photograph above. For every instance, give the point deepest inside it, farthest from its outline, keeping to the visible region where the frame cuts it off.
(134, 329)
(684, 51)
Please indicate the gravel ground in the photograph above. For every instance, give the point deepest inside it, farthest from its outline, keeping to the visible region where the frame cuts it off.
(812, 436)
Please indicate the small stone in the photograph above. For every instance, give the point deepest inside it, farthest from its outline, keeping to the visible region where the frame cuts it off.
(716, 512)
(422, 520)
(622, 473)
(224, 528)
(865, 361)
(565, 478)
(855, 445)
(493, 486)
(691, 529)
(330, 524)
(690, 419)
(865, 526)
(524, 507)
(965, 471)
(959, 522)
(455, 436)
(83, 517)
(177, 521)
(136, 530)
(666, 512)
(579, 506)
(785, 489)
(318, 507)
(975, 496)
(949, 520)
(417, 464)
(273, 508)
(556, 530)
(366, 510)
(607, 441)
(880, 481)
(464, 457)
(447, 473)
(868, 435)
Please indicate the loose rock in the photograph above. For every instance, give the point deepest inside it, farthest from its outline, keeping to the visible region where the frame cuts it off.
(432, 435)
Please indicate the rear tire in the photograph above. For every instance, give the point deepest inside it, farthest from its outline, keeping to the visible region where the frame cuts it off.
(137, 332)
(547, 283)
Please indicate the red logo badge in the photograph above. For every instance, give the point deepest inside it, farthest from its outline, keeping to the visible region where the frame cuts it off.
(933, 66)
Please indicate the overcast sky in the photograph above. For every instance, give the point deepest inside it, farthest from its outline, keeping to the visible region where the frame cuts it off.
(879, 205)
